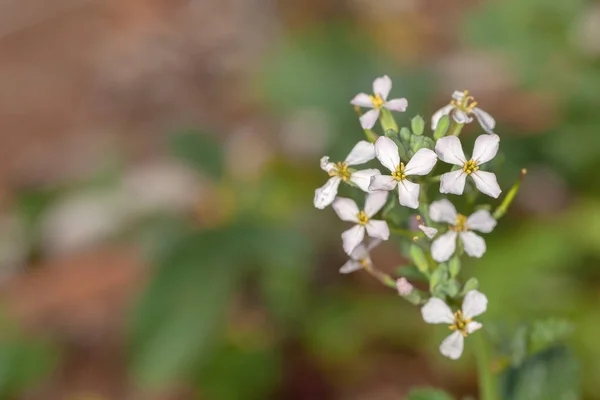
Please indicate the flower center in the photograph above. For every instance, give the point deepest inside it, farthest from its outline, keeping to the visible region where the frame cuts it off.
(377, 100)
(398, 174)
(365, 262)
(362, 218)
(460, 323)
(466, 104)
(341, 171)
(470, 167)
(461, 224)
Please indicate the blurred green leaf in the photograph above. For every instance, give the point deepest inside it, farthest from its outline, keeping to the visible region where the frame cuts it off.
(200, 150)
(470, 284)
(454, 266)
(548, 332)
(550, 375)
(411, 272)
(418, 257)
(428, 394)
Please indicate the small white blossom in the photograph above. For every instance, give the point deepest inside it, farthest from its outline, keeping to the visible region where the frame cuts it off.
(420, 164)
(404, 287)
(428, 231)
(450, 150)
(444, 246)
(460, 108)
(339, 172)
(435, 311)
(360, 257)
(347, 210)
(381, 89)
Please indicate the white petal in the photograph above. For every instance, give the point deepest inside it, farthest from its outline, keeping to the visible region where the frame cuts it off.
(373, 243)
(443, 211)
(435, 311)
(375, 202)
(404, 287)
(352, 238)
(359, 253)
(428, 231)
(368, 119)
(452, 346)
(435, 119)
(408, 193)
(473, 326)
(325, 195)
(481, 221)
(396, 104)
(382, 86)
(487, 183)
(443, 247)
(350, 266)
(458, 95)
(421, 163)
(387, 153)
(362, 100)
(474, 304)
(486, 147)
(450, 150)
(486, 121)
(362, 152)
(473, 244)
(362, 178)
(378, 229)
(461, 117)
(382, 182)
(346, 209)
(326, 165)
(453, 182)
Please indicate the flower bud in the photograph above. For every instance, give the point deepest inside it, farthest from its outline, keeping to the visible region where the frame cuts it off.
(404, 287)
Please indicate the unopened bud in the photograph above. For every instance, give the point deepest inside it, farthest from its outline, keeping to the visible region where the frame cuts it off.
(404, 287)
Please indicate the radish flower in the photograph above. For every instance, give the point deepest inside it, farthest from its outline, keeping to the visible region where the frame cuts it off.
(381, 89)
(461, 107)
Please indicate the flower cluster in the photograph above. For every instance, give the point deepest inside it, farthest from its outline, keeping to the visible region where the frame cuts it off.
(409, 158)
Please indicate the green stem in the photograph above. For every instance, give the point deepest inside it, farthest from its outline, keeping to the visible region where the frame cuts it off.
(508, 199)
(488, 387)
(405, 232)
(381, 276)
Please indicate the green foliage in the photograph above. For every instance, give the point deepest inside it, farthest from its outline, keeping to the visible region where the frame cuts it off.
(442, 127)
(454, 266)
(550, 375)
(200, 150)
(417, 125)
(470, 284)
(418, 256)
(428, 394)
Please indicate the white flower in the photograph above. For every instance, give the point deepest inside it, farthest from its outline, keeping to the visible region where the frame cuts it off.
(420, 164)
(360, 154)
(347, 210)
(381, 90)
(360, 257)
(444, 246)
(404, 287)
(461, 107)
(450, 150)
(435, 311)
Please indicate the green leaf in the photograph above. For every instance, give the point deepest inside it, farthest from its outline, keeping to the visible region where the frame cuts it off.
(442, 127)
(418, 257)
(454, 266)
(548, 332)
(438, 278)
(417, 125)
(428, 394)
(411, 272)
(201, 151)
(471, 284)
(405, 135)
(550, 375)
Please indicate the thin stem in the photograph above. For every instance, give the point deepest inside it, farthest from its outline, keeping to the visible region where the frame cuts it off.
(503, 207)
(488, 387)
(405, 232)
(381, 276)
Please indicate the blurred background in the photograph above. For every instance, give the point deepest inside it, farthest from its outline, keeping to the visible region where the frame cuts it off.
(157, 170)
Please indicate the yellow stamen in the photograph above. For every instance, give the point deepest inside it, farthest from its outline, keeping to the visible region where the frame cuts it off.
(460, 323)
(467, 104)
(377, 101)
(341, 171)
(362, 218)
(470, 167)
(398, 174)
(461, 224)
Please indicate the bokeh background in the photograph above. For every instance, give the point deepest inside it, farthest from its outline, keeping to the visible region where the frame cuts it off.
(157, 169)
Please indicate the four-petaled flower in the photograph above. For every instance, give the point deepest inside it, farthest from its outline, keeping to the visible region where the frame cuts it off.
(435, 311)
(381, 89)
(360, 257)
(347, 210)
(450, 150)
(444, 246)
(461, 107)
(420, 164)
(339, 172)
